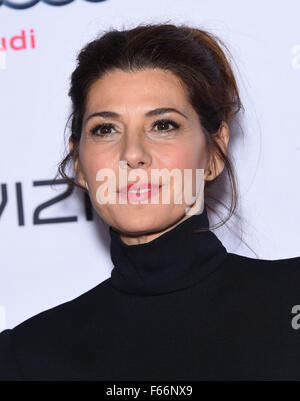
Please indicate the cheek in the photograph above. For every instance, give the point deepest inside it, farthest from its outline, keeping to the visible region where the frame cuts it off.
(186, 156)
(93, 159)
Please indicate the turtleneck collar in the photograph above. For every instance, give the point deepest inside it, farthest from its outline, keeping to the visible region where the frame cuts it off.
(177, 259)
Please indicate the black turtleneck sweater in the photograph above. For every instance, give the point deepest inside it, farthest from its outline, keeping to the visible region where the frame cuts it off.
(179, 307)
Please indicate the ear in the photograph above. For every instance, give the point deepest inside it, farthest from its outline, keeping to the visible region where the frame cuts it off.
(77, 167)
(216, 165)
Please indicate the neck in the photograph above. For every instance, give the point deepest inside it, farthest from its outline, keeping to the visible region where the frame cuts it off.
(144, 238)
(175, 260)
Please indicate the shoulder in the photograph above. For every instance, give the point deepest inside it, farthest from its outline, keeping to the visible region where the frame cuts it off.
(52, 332)
(9, 369)
(282, 275)
(63, 316)
(286, 265)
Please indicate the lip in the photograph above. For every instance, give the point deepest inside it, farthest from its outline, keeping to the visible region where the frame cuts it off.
(136, 196)
(139, 186)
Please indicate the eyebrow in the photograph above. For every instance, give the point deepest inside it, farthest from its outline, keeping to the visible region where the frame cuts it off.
(154, 112)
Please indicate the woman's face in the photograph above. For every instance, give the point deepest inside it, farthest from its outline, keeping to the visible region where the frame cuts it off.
(135, 132)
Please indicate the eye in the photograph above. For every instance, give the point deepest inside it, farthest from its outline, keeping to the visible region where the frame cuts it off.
(164, 124)
(102, 130)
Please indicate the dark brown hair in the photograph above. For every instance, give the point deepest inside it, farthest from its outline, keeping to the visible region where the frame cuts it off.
(195, 56)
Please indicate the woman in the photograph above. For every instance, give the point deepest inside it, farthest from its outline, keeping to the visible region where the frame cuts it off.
(177, 306)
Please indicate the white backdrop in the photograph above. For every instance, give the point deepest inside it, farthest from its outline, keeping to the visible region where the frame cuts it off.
(43, 265)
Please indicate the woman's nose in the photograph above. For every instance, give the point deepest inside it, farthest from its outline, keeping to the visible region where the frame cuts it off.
(135, 152)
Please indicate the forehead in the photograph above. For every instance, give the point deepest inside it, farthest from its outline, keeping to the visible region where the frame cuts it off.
(137, 90)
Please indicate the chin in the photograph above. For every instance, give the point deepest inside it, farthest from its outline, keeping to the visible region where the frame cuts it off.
(138, 224)
(142, 219)
(138, 227)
